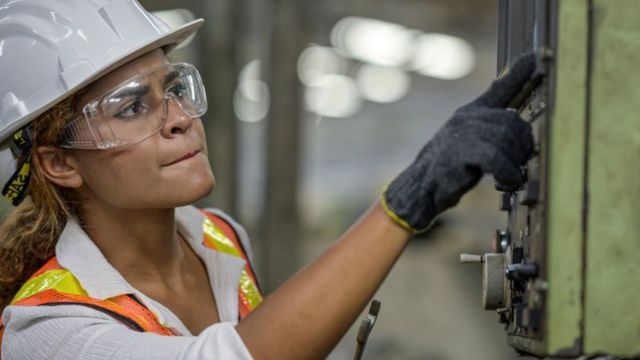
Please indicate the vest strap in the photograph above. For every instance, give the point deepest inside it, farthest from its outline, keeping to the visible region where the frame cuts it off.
(220, 236)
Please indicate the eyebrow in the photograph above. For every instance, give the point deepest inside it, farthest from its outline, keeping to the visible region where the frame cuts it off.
(137, 91)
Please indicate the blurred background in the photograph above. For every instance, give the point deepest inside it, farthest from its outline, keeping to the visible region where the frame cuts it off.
(313, 107)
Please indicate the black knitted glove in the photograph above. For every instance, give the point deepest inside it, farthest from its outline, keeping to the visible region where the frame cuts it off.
(481, 137)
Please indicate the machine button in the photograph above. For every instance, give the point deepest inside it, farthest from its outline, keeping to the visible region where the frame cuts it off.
(530, 192)
(521, 272)
(517, 255)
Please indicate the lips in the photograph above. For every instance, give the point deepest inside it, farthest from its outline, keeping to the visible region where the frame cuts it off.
(185, 157)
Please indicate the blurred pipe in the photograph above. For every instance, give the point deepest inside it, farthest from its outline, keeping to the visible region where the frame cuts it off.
(280, 229)
(216, 43)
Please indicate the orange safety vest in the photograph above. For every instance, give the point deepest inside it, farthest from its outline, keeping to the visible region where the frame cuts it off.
(53, 284)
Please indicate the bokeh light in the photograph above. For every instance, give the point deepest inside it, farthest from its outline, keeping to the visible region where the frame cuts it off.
(372, 60)
(252, 97)
(382, 84)
(334, 96)
(443, 56)
(317, 60)
(373, 41)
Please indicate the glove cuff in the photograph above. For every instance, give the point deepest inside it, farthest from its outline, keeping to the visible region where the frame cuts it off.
(403, 224)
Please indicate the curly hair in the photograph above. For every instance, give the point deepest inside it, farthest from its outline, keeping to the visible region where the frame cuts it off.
(29, 233)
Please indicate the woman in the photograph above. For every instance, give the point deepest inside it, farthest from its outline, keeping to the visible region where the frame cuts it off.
(103, 153)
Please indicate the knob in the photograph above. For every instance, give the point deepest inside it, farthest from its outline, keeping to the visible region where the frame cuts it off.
(521, 272)
(493, 280)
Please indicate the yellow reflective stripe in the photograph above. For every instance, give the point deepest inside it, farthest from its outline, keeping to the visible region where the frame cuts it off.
(60, 280)
(249, 290)
(218, 239)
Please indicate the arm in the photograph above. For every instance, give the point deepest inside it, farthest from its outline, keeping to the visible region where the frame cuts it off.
(308, 315)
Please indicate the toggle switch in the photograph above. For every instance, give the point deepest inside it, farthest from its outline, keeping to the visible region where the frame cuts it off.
(471, 259)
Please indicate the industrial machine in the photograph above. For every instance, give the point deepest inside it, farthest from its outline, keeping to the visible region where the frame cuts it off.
(564, 272)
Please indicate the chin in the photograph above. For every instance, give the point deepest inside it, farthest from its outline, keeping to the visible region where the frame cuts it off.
(198, 189)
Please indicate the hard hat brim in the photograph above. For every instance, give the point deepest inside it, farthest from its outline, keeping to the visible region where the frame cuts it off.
(167, 41)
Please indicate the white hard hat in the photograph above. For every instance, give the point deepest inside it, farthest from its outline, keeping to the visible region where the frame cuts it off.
(51, 49)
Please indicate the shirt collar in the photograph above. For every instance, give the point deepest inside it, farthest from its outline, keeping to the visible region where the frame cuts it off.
(77, 253)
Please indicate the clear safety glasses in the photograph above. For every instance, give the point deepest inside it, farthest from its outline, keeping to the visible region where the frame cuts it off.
(138, 108)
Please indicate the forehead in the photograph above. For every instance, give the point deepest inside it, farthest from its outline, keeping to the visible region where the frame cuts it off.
(133, 68)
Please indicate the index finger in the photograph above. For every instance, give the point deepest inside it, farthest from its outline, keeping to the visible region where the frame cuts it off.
(504, 89)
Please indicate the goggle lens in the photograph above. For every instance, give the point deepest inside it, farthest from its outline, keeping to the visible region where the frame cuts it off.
(138, 108)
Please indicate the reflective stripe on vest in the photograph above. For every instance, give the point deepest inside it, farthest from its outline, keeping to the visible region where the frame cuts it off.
(215, 237)
(55, 285)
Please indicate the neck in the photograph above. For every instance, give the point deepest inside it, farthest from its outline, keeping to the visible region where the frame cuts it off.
(140, 243)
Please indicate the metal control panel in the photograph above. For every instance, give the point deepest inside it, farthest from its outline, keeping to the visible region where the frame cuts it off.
(522, 242)
(563, 272)
(514, 277)
(515, 280)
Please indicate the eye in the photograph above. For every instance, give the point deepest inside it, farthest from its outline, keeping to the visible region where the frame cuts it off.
(132, 110)
(178, 89)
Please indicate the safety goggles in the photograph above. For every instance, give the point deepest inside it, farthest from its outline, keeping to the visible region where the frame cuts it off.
(138, 108)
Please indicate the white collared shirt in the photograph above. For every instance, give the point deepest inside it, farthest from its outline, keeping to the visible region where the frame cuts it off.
(80, 332)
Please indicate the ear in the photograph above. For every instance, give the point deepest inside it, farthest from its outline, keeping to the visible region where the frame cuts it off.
(59, 166)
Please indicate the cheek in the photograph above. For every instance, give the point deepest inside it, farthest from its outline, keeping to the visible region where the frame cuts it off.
(138, 182)
(118, 180)
(198, 128)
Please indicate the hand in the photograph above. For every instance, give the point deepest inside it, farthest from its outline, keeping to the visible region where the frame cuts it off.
(481, 137)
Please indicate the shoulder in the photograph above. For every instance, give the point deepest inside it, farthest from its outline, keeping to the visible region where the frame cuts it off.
(42, 332)
(79, 332)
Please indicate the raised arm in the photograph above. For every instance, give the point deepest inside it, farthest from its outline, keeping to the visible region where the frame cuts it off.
(307, 316)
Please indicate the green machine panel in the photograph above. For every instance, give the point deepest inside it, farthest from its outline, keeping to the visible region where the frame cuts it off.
(612, 275)
(564, 276)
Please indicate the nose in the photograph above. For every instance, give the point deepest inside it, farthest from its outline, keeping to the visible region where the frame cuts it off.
(177, 120)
